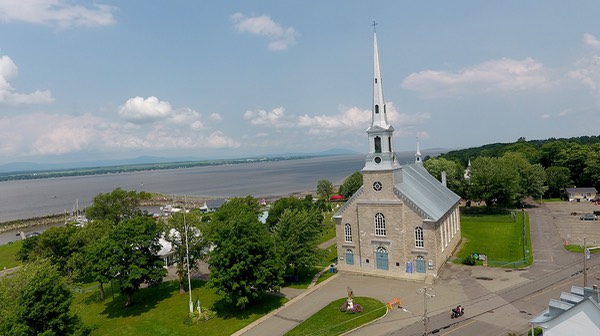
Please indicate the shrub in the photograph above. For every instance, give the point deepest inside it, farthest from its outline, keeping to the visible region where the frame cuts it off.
(469, 260)
(356, 308)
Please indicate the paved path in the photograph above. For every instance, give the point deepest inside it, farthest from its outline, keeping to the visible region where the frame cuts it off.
(497, 300)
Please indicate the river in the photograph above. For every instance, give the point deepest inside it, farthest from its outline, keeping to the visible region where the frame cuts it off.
(33, 198)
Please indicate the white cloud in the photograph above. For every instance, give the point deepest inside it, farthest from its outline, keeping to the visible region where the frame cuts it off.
(58, 13)
(591, 40)
(566, 112)
(142, 110)
(275, 118)
(215, 117)
(496, 76)
(67, 133)
(352, 117)
(280, 38)
(88, 133)
(347, 120)
(8, 71)
(587, 72)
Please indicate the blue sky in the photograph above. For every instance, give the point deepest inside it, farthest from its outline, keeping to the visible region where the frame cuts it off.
(87, 80)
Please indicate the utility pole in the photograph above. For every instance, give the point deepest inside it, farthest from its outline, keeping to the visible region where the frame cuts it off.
(187, 257)
(425, 318)
(586, 253)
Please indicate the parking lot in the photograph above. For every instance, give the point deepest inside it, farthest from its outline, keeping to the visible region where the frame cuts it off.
(571, 228)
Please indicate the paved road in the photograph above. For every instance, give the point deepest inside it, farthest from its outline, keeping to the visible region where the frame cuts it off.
(499, 301)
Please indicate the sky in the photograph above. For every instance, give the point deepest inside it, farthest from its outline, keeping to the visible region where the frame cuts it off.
(95, 80)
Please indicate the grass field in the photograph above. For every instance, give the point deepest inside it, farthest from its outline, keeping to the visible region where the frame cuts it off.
(162, 310)
(498, 235)
(331, 321)
(8, 254)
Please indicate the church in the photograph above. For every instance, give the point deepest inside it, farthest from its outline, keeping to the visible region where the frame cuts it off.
(402, 222)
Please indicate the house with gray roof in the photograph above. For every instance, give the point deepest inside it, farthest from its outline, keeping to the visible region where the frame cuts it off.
(581, 194)
(575, 313)
(402, 222)
(212, 205)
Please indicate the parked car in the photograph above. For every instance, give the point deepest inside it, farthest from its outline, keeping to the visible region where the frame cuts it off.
(589, 217)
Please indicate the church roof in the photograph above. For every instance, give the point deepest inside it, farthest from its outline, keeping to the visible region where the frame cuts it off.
(425, 192)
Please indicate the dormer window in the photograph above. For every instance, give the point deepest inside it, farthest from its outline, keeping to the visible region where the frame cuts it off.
(375, 80)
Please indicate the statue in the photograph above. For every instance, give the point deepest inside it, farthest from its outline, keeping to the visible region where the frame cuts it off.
(350, 298)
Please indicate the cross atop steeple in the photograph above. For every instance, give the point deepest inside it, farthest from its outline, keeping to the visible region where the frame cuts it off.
(374, 28)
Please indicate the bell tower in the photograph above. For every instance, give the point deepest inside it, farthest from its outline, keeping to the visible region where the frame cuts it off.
(381, 153)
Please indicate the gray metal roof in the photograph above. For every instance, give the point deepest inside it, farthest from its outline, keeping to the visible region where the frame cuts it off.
(576, 298)
(423, 191)
(581, 190)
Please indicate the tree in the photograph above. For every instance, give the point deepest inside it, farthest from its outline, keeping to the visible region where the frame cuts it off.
(532, 178)
(324, 189)
(243, 263)
(454, 173)
(528, 150)
(175, 233)
(98, 252)
(62, 246)
(493, 181)
(574, 157)
(36, 301)
(27, 249)
(351, 184)
(133, 257)
(117, 205)
(557, 179)
(297, 238)
(284, 203)
(99, 266)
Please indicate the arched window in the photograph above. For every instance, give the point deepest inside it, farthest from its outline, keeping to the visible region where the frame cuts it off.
(419, 242)
(376, 109)
(379, 224)
(348, 233)
(390, 144)
(377, 144)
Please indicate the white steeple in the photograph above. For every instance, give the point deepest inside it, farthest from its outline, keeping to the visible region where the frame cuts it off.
(378, 109)
(418, 154)
(381, 153)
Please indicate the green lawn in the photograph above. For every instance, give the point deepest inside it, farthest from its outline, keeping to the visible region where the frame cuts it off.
(331, 321)
(328, 227)
(8, 254)
(498, 235)
(161, 310)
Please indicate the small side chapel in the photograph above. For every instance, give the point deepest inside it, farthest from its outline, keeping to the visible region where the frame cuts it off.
(402, 222)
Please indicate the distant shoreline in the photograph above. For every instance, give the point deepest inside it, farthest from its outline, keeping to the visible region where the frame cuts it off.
(157, 200)
(127, 168)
